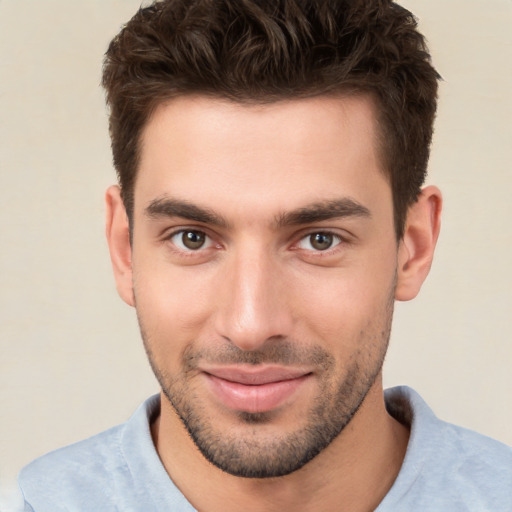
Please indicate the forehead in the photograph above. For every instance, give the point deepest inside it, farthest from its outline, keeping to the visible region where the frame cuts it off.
(281, 154)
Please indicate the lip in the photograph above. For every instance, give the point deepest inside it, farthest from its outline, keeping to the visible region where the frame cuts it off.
(258, 389)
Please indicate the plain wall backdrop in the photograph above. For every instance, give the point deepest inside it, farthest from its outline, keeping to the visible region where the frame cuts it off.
(72, 362)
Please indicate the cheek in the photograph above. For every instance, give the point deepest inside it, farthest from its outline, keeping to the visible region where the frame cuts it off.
(172, 303)
(346, 306)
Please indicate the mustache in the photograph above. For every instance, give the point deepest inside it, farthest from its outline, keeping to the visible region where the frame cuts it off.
(285, 353)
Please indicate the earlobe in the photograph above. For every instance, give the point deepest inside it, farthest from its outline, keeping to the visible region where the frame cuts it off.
(417, 246)
(118, 238)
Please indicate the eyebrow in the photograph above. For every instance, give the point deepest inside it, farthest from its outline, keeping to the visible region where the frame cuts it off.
(323, 210)
(170, 207)
(315, 212)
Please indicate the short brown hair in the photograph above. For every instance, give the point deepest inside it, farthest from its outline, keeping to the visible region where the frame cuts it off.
(268, 50)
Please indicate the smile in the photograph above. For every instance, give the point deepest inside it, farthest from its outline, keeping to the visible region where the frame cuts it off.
(254, 391)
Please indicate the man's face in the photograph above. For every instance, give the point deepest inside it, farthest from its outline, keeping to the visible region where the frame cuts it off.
(264, 262)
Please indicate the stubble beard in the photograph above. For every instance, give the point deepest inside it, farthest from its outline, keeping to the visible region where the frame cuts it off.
(260, 456)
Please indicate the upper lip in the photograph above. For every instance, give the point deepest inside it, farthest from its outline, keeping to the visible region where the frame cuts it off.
(255, 375)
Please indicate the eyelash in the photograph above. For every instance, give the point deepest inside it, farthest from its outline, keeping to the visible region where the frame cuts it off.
(338, 240)
(187, 251)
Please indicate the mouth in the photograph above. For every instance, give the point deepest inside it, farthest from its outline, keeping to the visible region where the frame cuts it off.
(256, 389)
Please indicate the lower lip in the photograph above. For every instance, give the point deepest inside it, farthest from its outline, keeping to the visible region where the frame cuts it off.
(254, 398)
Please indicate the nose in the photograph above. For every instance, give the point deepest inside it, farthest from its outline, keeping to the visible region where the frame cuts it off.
(252, 309)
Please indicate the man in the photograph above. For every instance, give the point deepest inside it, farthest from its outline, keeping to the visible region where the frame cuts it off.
(269, 212)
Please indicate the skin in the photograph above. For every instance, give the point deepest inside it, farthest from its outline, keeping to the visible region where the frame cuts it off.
(258, 293)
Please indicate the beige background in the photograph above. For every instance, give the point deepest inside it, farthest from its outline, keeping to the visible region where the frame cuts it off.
(71, 360)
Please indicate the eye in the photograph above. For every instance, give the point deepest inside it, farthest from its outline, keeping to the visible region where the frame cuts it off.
(320, 241)
(191, 240)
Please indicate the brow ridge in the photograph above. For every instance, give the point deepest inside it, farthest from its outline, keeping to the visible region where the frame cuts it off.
(171, 207)
(323, 210)
(315, 212)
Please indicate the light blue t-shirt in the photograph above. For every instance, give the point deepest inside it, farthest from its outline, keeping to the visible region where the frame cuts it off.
(446, 468)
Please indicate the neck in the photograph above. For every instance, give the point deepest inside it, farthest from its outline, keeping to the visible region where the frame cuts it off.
(353, 473)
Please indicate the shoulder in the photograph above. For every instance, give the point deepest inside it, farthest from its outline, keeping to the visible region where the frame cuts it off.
(88, 475)
(479, 465)
(448, 467)
(60, 476)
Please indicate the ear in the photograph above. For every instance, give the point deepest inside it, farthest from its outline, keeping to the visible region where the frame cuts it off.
(118, 238)
(416, 249)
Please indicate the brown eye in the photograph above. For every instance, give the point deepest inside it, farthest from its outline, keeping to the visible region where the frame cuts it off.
(193, 239)
(190, 240)
(321, 241)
